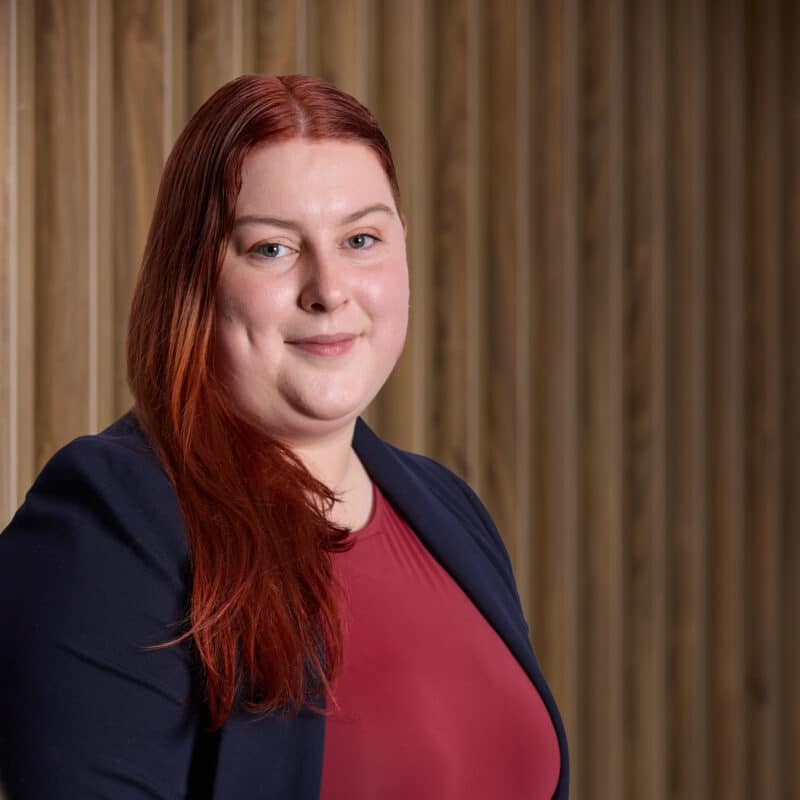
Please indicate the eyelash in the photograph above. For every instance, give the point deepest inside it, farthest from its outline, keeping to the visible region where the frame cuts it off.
(374, 239)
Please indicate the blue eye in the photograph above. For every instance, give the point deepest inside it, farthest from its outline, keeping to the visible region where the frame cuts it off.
(271, 250)
(361, 241)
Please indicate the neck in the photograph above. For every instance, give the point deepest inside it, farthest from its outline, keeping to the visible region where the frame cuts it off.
(333, 461)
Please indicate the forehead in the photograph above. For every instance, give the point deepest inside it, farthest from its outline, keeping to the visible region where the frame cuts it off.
(305, 176)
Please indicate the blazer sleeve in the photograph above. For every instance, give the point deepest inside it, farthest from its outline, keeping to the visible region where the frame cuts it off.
(92, 575)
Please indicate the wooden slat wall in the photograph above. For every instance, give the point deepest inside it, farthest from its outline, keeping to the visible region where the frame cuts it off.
(604, 238)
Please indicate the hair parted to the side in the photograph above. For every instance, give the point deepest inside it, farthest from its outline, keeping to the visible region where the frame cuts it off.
(263, 613)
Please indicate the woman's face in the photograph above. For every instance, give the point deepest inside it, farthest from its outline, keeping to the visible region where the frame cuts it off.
(312, 304)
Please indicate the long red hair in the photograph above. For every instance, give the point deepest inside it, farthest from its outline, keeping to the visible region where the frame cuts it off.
(263, 606)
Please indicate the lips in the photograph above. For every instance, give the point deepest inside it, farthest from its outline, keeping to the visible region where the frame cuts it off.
(326, 344)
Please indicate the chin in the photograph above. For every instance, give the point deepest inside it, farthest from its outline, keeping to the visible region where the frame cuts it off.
(330, 414)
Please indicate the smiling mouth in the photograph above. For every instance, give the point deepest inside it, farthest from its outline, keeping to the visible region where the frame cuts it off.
(332, 344)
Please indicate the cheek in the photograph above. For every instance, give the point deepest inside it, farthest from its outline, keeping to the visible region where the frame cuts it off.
(250, 304)
(389, 291)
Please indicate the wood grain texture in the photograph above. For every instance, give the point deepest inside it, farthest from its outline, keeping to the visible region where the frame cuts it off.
(600, 410)
(763, 405)
(8, 262)
(449, 425)
(17, 413)
(687, 511)
(104, 344)
(402, 106)
(61, 233)
(215, 53)
(645, 425)
(140, 120)
(175, 94)
(519, 537)
(555, 358)
(727, 489)
(340, 35)
(789, 731)
(277, 37)
(505, 287)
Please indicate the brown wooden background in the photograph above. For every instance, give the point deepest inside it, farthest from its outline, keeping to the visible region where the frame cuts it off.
(605, 247)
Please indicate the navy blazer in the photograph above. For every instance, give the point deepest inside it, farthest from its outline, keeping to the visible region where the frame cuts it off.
(94, 567)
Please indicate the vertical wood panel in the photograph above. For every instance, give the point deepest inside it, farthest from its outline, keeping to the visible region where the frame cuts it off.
(687, 519)
(502, 286)
(789, 702)
(763, 441)
(139, 133)
(339, 42)
(62, 174)
(175, 95)
(104, 345)
(601, 432)
(403, 108)
(448, 423)
(17, 414)
(215, 36)
(555, 358)
(276, 26)
(8, 260)
(475, 242)
(645, 406)
(726, 304)
(520, 545)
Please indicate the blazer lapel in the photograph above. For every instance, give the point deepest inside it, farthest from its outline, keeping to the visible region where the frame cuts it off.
(452, 539)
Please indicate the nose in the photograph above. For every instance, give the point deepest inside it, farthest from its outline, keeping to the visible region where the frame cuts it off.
(324, 288)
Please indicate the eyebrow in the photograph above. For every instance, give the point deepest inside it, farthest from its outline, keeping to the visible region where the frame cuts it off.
(251, 219)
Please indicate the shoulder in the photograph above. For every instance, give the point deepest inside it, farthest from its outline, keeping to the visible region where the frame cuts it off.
(107, 480)
(100, 525)
(93, 577)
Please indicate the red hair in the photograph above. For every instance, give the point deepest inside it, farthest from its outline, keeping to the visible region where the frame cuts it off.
(263, 605)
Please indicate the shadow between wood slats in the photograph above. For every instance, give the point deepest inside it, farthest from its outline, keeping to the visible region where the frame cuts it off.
(500, 250)
(600, 411)
(401, 103)
(339, 40)
(276, 37)
(175, 80)
(687, 516)
(8, 263)
(25, 248)
(139, 122)
(475, 264)
(217, 46)
(105, 347)
(555, 225)
(17, 423)
(790, 403)
(61, 251)
(523, 301)
(726, 246)
(449, 353)
(644, 371)
(763, 416)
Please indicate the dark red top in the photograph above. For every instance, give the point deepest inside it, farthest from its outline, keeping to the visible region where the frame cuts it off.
(432, 704)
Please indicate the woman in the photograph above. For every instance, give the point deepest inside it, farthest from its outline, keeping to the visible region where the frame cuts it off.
(238, 590)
